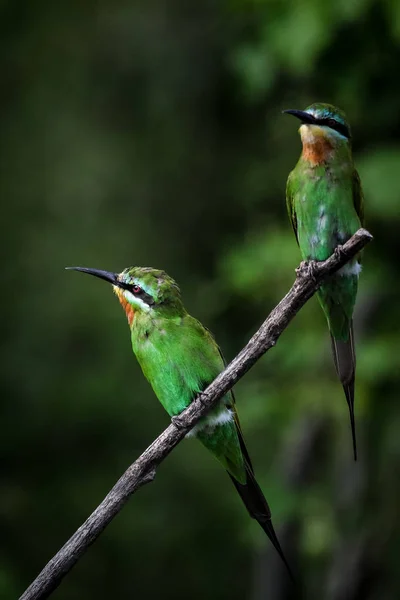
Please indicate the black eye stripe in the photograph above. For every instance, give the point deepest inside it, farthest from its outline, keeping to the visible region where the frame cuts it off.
(333, 124)
(138, 294)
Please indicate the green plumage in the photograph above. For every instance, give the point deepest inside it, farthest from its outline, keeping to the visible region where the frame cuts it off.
(325, 206)
(180, 358)
(321, 203)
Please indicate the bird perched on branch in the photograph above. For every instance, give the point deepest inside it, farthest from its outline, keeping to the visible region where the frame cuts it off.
(325, 205)
(180, 358)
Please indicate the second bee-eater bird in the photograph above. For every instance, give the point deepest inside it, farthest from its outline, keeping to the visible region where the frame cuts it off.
(325, 205)
(180, 358)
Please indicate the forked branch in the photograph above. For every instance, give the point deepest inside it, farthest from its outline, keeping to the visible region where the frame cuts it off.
(308, 279)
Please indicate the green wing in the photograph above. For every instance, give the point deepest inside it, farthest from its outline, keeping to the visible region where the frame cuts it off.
(226, 441)
(241, 471)
(358, 197)
(290, 204)
(232, 405)
(179, 362)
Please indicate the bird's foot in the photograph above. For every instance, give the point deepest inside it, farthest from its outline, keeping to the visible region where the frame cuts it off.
(307, 268)
(339, 252)
(202, 397)
(178, 422)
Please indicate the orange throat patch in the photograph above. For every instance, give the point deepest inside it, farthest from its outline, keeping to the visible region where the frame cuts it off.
(318, 150)
(128, 308)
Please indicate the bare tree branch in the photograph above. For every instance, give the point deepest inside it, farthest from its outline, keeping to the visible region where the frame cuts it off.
(142, 471)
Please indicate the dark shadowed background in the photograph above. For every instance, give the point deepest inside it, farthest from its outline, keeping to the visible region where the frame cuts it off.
(150, 133)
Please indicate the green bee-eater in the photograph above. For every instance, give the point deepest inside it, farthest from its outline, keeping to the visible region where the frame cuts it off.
(325, 205)
(180, 358)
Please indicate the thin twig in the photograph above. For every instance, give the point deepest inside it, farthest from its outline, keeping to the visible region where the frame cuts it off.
(142, 471)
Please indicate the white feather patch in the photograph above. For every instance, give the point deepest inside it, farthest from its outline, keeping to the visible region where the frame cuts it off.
(350, 269)
(211, 422)
(322, 222)
(224, 417)
(136, 301)
(306, 133)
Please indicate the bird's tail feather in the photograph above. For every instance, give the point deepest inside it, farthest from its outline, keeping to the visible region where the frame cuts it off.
(258, 508)
(254, 500)
(345, 363)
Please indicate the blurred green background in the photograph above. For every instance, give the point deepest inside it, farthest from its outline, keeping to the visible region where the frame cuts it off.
(150, 133)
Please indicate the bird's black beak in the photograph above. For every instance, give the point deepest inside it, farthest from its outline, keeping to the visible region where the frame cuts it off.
(106, 275)
(304, 116)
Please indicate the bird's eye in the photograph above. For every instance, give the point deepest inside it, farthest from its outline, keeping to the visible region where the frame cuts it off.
(332, 123)
(136, 289)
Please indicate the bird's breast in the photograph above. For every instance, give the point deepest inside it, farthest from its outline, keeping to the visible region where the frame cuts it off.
(128, 308)
(317, 151)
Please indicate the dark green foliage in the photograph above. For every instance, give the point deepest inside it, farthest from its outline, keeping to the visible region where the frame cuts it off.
(151, 133)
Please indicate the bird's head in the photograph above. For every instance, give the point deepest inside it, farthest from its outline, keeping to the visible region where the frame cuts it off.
(323, 123)
(142, 290)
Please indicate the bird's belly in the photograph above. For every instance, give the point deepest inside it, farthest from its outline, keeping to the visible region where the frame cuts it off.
(219, 416)
(326, 218)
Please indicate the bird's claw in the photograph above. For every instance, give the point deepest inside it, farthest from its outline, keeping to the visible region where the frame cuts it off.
(339, 252)
(177, 419)
(202, 397)
(178, 422)
(307, 268)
